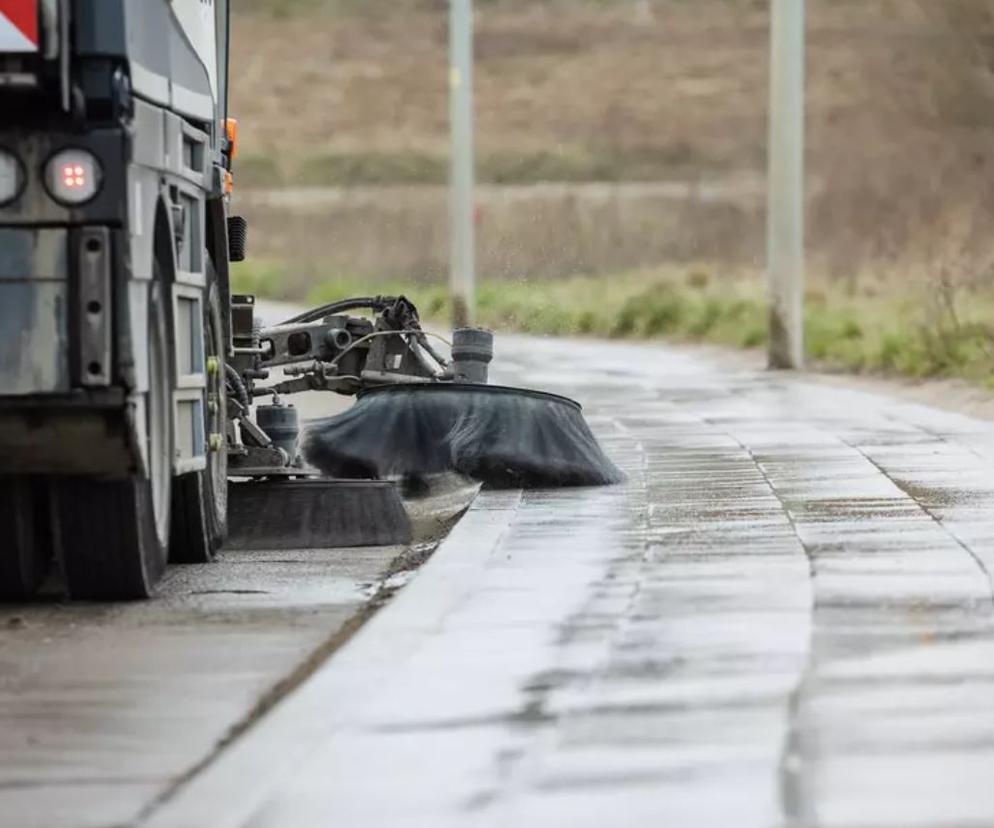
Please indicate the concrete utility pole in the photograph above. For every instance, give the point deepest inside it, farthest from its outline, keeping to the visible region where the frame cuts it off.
(785, 219)
(462, 233)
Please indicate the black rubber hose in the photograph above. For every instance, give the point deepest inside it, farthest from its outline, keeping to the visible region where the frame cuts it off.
(377, 303)
(238, 384)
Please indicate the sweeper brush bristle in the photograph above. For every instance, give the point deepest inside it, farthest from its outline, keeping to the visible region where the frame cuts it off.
(503, 437)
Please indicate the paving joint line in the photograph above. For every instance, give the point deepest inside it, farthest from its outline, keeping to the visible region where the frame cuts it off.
(283, 688)
(202, 797)
(792, 800)
(934, 518)
(545, 735)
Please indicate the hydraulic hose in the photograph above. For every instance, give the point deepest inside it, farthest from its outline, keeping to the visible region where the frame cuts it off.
(377, 303)
(235, 379)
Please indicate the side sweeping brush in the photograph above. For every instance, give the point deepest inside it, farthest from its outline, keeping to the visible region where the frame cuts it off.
(502, 437)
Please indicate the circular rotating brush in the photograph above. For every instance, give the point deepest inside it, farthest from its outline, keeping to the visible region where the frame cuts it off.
(502, 437)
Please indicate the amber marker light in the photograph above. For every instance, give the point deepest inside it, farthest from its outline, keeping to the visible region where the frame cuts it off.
(231, 130)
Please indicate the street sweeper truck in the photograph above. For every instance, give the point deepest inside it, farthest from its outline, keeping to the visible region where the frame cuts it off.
(142, 405)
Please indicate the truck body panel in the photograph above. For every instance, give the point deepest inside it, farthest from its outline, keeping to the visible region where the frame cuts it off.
(34, 311)
(35, 325)
(170, 47)
(76, 318)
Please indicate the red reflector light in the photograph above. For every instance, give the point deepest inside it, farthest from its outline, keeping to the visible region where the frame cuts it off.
(73, 176)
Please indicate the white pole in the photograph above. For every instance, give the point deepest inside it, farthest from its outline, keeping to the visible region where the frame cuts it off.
(462, 261)
(785, 218)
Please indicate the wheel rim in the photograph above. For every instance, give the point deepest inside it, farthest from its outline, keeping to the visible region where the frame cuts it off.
(216, 415)
(159, 467)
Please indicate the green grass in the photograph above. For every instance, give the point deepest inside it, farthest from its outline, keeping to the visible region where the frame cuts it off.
(292, 8)
(354, 168)
(564, 165)
(894, 332)
(264, 279)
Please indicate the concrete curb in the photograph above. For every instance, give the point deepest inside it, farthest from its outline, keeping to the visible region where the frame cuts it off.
(230, 790)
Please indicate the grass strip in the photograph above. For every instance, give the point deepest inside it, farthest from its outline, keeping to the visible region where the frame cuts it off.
(566, 164)
(891, 330)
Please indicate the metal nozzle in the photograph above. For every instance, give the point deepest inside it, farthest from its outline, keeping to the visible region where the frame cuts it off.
(472, 351)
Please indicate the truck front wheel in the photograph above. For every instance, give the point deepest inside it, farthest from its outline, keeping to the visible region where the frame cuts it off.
(113, 534)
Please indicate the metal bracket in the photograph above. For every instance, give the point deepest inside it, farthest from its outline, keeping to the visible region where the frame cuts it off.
(92, 311)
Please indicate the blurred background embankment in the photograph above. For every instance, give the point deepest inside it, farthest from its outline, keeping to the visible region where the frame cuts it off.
(622, 165)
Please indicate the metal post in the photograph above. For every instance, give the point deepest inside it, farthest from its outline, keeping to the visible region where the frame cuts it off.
(462, 261)
(785, 220)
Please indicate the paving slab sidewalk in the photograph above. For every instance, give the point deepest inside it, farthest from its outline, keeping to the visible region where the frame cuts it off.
(784, 618)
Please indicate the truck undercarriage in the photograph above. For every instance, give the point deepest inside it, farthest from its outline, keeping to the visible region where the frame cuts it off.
(138, 395)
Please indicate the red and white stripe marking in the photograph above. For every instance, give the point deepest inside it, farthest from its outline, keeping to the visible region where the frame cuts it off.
(19, 26)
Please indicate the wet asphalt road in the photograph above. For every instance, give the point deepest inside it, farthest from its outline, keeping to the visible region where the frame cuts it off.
(785, 618)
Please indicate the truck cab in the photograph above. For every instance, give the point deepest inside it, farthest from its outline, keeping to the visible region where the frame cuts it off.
(115, 156)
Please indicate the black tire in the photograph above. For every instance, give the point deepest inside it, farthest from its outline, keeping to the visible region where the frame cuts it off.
(200, 499)
(113, 535)
(25, 547)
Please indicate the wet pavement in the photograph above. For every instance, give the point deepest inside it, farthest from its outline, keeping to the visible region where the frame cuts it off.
(785, 618)
(105, 708)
